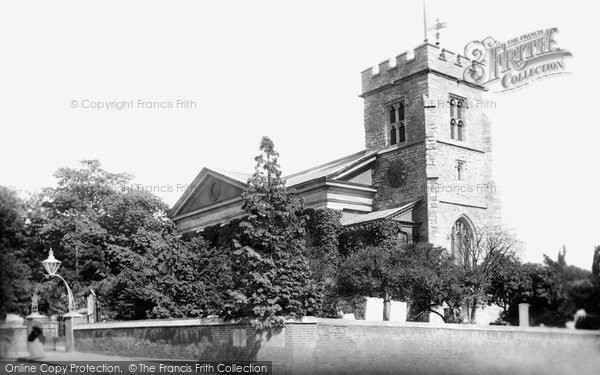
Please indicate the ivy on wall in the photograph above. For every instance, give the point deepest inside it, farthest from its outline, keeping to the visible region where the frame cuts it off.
(383, 233)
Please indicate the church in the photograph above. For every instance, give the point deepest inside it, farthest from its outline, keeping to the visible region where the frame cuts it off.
(427, 161)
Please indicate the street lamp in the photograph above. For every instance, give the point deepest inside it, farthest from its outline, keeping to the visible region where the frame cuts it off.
(51, 266)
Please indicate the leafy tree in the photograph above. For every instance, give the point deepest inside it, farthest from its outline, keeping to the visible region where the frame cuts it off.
(488, 252)
(435, 279)
(103, 232)
(176, 279)
(15, 288)
(272, 280)
(376, 272)
(554, 290)
(596, 264)
(420, 273)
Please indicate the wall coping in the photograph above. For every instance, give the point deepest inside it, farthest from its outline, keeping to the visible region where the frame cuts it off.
(451, 326)
(309, 320)
(152, 323)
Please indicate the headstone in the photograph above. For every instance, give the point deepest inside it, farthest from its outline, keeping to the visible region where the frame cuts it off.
(523, 315)
(374, 309)
(398, 312)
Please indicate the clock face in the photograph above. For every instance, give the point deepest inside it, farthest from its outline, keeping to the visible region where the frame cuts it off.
(396, 174)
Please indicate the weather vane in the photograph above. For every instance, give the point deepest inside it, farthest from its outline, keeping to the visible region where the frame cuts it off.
(437, 27)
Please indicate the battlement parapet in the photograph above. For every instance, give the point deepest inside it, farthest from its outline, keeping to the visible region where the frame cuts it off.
(425, 56)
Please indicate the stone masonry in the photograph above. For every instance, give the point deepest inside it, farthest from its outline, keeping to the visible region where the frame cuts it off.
(425, 82)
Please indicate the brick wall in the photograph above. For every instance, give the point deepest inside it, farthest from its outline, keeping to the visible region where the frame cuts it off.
(334, 346)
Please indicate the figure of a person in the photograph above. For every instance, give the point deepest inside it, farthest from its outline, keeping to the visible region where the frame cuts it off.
(36, 342)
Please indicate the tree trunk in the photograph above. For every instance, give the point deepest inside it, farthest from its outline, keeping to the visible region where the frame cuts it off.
(386, 307)
(473, 311)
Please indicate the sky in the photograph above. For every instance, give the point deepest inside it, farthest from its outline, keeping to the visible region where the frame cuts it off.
(234, 71)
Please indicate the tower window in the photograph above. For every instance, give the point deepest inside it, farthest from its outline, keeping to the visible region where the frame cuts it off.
(397, 125)
(460, 170)
(462, 241)
(401, 133)
(457, 123)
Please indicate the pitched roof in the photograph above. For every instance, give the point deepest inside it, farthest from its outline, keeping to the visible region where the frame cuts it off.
(378, 215)
(238, 176)
(329, 169)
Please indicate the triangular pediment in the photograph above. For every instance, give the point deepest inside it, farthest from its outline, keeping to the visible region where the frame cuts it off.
(210, 188)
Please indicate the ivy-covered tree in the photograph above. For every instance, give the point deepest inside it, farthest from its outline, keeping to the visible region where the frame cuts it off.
(272, 280)
(323, 255)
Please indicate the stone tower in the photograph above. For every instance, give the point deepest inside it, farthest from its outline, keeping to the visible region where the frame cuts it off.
(434, 143)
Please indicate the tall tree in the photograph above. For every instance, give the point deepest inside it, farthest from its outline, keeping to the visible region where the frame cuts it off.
(481, 257)
(435, 279)
(101, 229)
(15, 287)
(596, 264)
(272, 278)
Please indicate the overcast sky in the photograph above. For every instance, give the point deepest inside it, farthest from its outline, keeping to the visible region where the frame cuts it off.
(290, 70)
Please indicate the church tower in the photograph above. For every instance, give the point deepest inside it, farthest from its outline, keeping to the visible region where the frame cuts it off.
(433, 142)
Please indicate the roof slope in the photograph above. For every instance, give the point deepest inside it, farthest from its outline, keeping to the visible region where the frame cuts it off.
(377, 215)
(329, 169)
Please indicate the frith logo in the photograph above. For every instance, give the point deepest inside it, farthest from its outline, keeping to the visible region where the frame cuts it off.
(515, 63)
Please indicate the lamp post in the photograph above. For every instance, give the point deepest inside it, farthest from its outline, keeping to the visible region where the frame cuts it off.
(51, 266)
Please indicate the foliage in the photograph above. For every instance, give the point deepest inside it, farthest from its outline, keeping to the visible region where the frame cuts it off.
(596, 264)
(101, 230)
(376, 272)
(15, 288)
(323, 230)
(479, 260)
(383, 233)
(220, 236)
(435, 279)
(271, 279)
(554, 290)
(177, 279)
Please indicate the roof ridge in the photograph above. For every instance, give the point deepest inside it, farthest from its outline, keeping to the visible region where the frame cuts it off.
(324, 164)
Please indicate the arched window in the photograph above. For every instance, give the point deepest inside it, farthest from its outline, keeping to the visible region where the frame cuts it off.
(401, 111)
(393, 140)
(457, 109)
(397, 125)
(401, 133)
(462, 241)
